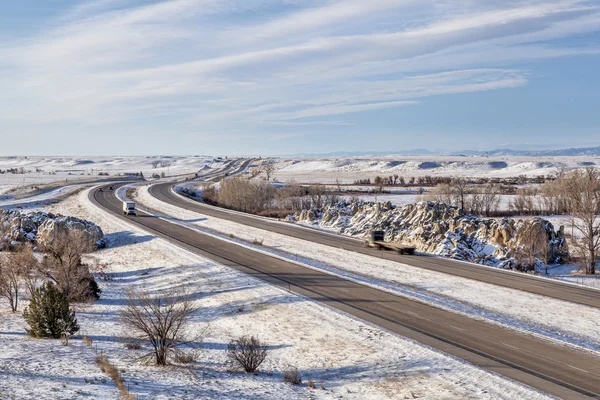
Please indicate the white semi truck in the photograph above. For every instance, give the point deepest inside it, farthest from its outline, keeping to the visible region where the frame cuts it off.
(128, 208)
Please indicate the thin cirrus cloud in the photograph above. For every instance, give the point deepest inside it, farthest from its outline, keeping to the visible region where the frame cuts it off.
(228, 64)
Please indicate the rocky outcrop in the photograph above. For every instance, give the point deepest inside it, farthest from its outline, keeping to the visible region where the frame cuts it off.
(61, 227)
(42, 229)
(440, 229)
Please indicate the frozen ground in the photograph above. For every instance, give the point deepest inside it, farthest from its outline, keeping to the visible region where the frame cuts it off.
(348, 169)
(42, 199)
(568, 322)
(350, 359)
(65, 170)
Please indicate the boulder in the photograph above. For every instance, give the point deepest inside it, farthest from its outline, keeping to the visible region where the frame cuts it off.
(41, 229)
(61, 227)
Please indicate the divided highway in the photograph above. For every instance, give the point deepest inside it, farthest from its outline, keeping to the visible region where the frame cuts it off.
(528, 283)
(557, 370)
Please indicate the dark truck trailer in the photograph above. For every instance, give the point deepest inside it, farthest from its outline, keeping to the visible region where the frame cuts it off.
(377, 240)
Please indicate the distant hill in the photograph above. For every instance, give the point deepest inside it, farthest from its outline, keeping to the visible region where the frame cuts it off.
(581, 151)
(364, 153)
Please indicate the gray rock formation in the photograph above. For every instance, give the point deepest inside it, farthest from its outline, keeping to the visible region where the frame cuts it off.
(439, 229)
(42, 229)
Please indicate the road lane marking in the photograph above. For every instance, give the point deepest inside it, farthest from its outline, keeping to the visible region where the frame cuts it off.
(579, 369)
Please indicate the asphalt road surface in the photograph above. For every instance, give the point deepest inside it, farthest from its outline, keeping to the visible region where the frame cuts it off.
(520, 281)
(557, 370)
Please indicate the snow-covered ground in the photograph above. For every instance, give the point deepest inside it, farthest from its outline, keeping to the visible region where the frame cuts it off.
(41, 199)
(39, 171)
(348, 358)
(568, 322)
(349, 169)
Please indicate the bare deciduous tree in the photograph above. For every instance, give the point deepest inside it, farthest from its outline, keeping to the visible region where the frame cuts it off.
(583, 202)
(161, 320)
(442, 193)
(459, 185)
(11, 276)
(268, 169)
(62, 264)
(29, 265)
(379, 182)
(490, 200)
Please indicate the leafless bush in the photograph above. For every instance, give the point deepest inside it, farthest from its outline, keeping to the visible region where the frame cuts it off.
(311, 384)
(244, 195)
(62, 264)
(133, 346)
(87, 341)
(186, 356)
(292, 376)
(161, 320)
(247, 353)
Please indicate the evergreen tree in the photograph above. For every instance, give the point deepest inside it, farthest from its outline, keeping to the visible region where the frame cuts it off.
(49, 315)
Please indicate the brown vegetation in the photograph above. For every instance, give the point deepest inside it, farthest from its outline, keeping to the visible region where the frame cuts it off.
(15, 269)
(62, 265)
(247, 353)
(160, 320)
(113, 372)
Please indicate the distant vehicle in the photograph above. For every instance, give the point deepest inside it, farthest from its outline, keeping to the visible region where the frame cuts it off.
(111, 187)
(377, 240)
(128, 208)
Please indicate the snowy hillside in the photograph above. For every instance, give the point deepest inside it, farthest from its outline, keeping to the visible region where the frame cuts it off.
(348, 169)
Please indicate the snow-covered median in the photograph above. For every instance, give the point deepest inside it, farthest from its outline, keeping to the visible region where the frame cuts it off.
(349, 358)
(535, 314)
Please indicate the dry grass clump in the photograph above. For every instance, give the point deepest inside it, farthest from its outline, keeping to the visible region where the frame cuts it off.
(292, 376)
(114, 374)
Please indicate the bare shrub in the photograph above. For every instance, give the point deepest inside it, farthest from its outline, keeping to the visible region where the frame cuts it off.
(244, 195)
(160, 320)
(62, 264)
(292, 376)
(247, 353)
(132, 346)
(186, 357)
(311, 384)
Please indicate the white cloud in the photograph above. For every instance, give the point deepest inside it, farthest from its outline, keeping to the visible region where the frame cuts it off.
(227, 64)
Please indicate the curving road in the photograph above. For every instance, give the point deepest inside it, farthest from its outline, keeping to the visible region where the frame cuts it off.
(557, 370)
(514, 280)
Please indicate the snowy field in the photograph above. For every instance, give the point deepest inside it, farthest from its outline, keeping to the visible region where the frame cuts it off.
(38, 171)
(568, 323)
(347, 170)
(343, 356)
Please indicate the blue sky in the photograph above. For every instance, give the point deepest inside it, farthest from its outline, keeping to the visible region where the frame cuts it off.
(291, 76)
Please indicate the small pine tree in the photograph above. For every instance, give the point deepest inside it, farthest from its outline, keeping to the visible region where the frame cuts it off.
(49, 315)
